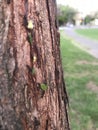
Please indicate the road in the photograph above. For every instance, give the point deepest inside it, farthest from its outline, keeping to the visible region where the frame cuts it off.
(91, 46)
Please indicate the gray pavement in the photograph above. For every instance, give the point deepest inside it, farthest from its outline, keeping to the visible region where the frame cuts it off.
(91, 46)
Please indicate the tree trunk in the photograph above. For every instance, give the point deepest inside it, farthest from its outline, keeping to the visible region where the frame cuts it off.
(32, 89)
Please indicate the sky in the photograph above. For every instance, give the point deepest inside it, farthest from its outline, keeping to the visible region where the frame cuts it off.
(84, 6)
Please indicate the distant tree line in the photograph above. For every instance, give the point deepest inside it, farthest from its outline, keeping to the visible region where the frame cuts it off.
(67, 15)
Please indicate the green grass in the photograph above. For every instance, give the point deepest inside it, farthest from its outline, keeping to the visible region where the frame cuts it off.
(83, 111)
(90, 33)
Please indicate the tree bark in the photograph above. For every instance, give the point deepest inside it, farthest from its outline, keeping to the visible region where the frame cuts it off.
(32, 88)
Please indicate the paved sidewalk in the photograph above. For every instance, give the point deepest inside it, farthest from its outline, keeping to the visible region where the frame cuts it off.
(90, 45)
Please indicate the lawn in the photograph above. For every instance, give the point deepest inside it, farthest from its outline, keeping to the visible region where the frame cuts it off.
(90, 33)
(81, 78)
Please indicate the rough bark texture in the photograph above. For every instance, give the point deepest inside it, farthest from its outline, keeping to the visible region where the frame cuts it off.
(29, 60)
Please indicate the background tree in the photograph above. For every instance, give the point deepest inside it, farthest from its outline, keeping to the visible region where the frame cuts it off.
(96, 15)
(66, 14)
(32, 89)
(88, 19)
